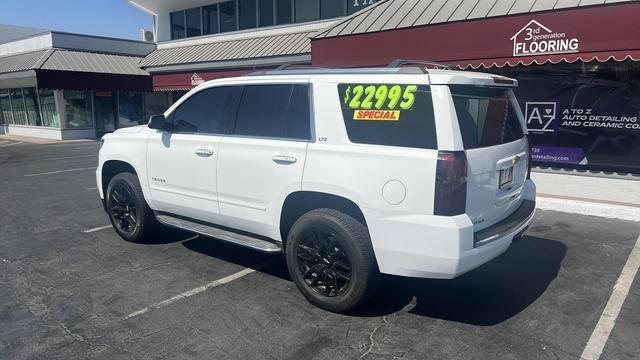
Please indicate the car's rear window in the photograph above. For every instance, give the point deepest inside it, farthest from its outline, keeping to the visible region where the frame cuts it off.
(486, 116)
(389, 114)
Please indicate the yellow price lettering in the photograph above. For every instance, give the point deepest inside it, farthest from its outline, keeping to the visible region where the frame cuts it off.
(394, 96)
(409, 97)
(357, 95)
(371, 92)
(381, 96)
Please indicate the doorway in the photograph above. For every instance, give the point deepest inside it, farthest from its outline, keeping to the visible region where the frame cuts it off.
(106, 112)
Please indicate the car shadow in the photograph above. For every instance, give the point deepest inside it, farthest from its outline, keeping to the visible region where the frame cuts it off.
(486, 296)
(273, 265)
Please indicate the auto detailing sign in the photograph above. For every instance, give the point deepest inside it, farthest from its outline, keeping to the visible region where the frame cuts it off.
(537, 39)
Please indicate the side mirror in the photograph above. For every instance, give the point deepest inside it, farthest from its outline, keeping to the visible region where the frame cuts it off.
(158, 122)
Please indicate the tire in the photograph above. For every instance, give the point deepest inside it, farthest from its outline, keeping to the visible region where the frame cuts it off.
(320, 272)
(139, 224)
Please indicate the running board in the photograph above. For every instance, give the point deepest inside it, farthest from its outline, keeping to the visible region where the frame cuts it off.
(225, 235)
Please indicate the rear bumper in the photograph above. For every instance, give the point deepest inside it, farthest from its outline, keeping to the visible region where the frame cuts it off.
(522, 216)
(443, 247)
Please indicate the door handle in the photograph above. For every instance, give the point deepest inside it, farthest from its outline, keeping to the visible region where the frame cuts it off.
(281, 159)
(204, 152)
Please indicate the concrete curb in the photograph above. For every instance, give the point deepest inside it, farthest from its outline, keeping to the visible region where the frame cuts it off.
(609, 211)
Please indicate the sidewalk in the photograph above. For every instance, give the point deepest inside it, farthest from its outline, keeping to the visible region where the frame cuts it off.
(588, 195)
(33, 140)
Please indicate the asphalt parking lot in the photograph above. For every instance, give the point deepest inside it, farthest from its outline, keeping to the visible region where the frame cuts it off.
(71, 289)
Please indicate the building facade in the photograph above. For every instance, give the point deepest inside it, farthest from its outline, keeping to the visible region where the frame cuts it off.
(577, 63)
(66, 86)
(208, 39)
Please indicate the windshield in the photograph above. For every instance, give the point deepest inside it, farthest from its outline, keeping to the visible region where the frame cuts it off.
(486, 116)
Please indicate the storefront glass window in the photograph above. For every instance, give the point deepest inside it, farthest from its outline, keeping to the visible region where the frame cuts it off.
(17, 103)
(357, 5)
(210, 18)
(247, 14)
(332, 8)
(307, 10)
(78, 109)
(177, 25)
(32, 106)
(266, 12)
(194, 22)
(284, 14)
(50, 116)
(130, 109)
(228, 16)
(5, 107)
(155, 103)
(582, 115)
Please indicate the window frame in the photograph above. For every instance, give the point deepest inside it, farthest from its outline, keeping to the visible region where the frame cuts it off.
(310, 97)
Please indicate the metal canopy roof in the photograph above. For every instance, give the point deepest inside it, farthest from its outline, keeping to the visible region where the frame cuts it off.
(288, 44)
(398, 14)
(66, 60)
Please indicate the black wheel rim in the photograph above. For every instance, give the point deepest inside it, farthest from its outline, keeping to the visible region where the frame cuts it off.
(123, 208)
(324, 263)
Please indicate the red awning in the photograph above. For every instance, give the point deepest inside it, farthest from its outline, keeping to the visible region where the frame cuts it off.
(189, 80)
(589, 33)
(552, 59)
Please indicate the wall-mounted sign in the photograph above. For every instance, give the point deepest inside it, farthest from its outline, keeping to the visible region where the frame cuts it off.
(540, 116)
(537, 39)
(196, 80)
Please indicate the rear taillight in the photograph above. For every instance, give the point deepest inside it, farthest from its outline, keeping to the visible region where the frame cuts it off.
(530, 157)
(451, 183)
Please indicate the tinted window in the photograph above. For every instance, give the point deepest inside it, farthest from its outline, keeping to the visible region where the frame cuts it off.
(228, 16)
(389, 114)
(279, 111)
(297, 124)
(486, 116)
(307, 10)
(266, 12)
(210, 19)
(194, 25)
(206, 111)
(247, 13)
(332, 8)
(177, 25)
(283, 12)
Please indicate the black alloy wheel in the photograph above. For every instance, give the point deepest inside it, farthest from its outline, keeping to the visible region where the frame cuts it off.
(330, 259)
(123, 208)
(324, 263)
(128, 211)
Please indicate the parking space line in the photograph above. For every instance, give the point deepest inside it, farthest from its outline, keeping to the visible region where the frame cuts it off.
(607, 321)
(59, 171)
(200, 289)
(97, 229)
(10, 144)
(92, 188)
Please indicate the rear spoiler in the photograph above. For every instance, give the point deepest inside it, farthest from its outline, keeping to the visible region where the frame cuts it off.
(471, 78)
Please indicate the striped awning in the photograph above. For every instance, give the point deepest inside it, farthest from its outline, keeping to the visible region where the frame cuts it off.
(68, 60)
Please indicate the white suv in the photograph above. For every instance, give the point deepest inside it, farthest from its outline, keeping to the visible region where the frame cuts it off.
(350, 173)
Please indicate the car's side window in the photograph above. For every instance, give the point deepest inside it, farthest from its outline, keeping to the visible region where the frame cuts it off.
(206, 111)
(276, 111)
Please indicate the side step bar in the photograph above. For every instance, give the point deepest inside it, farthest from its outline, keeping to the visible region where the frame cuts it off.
(215, 232)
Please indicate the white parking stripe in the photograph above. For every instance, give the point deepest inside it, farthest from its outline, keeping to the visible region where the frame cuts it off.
(59, 171)
(10, 144)
(601, 333)
(3, 142)
(97, 229)
(92, 188)
(199, 289)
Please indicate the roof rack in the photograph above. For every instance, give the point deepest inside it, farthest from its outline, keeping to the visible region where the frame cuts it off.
(310, 70)
(437, 65)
